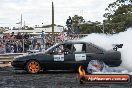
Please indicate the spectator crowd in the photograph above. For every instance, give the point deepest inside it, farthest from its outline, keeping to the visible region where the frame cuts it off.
(21, 43)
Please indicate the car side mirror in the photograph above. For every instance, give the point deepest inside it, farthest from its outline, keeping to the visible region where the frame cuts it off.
(65, 53)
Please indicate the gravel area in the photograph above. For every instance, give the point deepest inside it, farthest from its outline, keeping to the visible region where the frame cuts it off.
(51, 79)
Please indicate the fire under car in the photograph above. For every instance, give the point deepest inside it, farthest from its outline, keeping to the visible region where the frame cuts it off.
(67, 56)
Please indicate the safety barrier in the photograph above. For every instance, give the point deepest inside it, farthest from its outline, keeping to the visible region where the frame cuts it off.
(8, 57)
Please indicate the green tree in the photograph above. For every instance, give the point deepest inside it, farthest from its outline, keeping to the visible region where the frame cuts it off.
(91, 27)
(85, 27)
(76, 20)
(118, 16)
(30, 28)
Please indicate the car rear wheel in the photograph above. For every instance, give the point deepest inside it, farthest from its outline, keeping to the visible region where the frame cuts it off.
(33, 66)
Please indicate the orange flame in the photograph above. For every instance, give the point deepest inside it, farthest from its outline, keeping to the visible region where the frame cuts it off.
(81, 71)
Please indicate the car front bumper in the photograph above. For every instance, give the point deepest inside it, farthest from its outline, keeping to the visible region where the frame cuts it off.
(18, 65)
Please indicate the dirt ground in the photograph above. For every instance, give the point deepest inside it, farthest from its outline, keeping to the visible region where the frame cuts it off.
(51, 79)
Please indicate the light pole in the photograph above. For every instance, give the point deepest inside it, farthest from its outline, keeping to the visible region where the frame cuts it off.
(53, 20)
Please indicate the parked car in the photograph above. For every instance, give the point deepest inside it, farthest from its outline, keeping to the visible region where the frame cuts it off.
(66, 56)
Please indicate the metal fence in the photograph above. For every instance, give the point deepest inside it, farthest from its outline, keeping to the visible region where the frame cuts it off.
(23, 45)
(9, 48)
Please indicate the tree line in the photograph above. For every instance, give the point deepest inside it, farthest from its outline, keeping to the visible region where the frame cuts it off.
(118, 18)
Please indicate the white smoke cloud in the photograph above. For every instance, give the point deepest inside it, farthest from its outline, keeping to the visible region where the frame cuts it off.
(106, 42)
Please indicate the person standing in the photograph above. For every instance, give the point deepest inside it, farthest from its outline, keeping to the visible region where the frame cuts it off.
(2, 48)
(69, 25)
(38, 47)
(12, 36)
(43, 38)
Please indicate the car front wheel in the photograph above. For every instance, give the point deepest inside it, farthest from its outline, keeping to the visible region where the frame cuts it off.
(33, 66)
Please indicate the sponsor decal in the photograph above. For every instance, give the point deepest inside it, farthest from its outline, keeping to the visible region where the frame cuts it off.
(106, 78)
(58, 57)
(102, 78)
(79, 57)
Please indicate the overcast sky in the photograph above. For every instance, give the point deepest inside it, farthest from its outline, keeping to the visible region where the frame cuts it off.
(39, 11)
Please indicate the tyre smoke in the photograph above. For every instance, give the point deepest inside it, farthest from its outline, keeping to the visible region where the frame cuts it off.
(107, 41)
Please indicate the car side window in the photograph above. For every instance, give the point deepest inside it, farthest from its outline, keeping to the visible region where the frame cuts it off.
(93, 49)
(68, 49)
(79, 48)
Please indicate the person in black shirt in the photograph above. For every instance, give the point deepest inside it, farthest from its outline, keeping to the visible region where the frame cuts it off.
(19, 36)
(26, 36)
(69, 25)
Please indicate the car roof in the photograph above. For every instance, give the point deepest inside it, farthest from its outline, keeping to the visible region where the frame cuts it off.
(75, 42)
(78, 42)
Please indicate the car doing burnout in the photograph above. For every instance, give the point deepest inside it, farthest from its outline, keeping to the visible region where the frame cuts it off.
(66, 56)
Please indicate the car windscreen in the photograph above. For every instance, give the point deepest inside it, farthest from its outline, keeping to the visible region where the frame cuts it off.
(52, 47)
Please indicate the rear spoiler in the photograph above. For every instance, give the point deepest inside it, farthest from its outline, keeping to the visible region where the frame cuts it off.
(116, 46)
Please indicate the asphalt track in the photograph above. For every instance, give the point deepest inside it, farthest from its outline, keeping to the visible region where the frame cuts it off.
(51, 79)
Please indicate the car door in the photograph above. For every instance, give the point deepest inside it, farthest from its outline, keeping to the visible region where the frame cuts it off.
(57, 56)
(76, 58)
(80, 55)
(94, 52)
